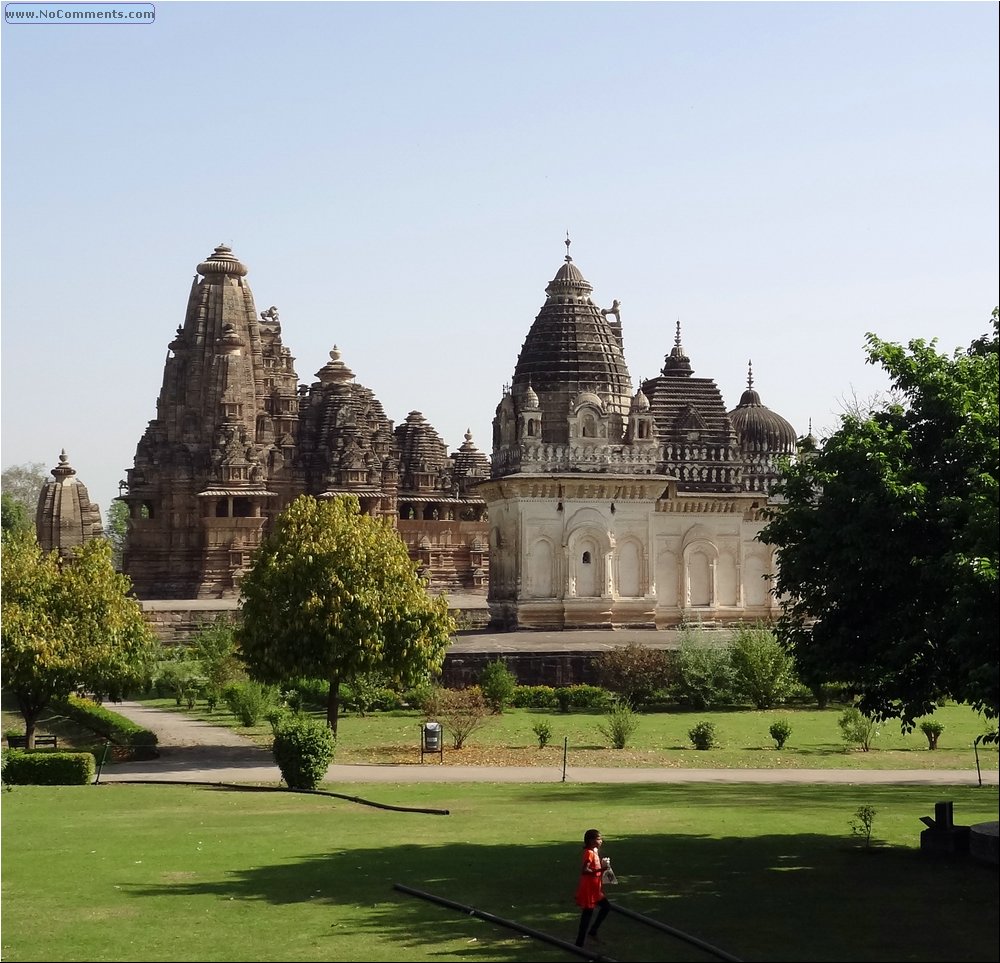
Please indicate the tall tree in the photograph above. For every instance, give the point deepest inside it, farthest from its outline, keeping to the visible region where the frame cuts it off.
(115, 530)
(67, 624)
(333, 594)
(888, 543)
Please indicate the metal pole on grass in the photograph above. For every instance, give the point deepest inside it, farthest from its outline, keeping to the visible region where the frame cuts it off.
(565, 748)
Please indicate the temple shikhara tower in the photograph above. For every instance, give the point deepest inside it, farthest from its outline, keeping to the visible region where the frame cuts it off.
(616, 506)
(236, 438)
(605, 503)
(65, 517)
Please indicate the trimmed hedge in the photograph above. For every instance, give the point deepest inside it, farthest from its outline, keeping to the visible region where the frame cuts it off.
(45, 768)
(582, 697)
(535, 697)
(121, 731)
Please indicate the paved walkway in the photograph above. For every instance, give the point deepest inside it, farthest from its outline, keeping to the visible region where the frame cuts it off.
(193, 751)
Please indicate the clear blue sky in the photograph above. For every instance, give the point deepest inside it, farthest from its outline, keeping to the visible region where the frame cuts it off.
(399, 179)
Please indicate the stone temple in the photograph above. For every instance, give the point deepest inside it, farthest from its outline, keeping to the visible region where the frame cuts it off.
(605, 504)
(236, 438)
(613, 506)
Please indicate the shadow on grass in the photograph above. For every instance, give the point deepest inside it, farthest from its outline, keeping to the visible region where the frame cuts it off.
(800, 896)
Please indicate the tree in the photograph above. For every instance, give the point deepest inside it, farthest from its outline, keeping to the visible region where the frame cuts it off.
(888, 543)
(14, 515)
(66, 625)
(332, 594)
(115, 530)
(24, 482)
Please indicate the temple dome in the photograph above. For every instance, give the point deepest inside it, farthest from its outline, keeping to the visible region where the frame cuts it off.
(757, 427)
(571, 348)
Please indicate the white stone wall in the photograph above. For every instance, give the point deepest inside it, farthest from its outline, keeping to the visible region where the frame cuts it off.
(558, 559)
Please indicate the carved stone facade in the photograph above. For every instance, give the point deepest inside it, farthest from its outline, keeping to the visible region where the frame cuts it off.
(236, 438)
(66, 517)
(612, 507)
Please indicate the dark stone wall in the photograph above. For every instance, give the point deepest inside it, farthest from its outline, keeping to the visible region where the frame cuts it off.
(531, 668)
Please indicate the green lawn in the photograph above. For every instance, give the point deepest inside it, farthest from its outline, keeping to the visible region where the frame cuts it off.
(117, 872)
(660, 741)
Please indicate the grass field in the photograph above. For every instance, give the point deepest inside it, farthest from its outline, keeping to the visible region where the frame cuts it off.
(766, 873)
(660, 741)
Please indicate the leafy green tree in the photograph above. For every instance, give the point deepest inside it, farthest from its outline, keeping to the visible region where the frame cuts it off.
(214, 647)
(763, 672)
(115, 529)
(888, 541)
(67, 625)
(333, 594)
(15, 517)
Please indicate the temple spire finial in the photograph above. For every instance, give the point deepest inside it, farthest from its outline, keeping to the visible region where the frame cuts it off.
(677, 336)
(567, 242)
(750, 373)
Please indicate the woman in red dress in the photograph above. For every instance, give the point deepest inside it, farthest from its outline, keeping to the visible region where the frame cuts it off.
(590, 891)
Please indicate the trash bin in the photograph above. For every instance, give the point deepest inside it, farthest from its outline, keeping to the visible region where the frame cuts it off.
(432, 736)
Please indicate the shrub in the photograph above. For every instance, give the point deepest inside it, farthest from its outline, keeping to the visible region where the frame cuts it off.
(462, 710)
(498, 684)
(248, 701)
(704, 672)
(582, 697)
(370, 692)
(303, 749)
(780, 730)
(861, 825)
(634, 672)
(932, 729)
(619, 724)
(21, 768)
(544, 733)
(416, 696)
(702, 735)
(535, 697)
(857, 728)
(763, 672)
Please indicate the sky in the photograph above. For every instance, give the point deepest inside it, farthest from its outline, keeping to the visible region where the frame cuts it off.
(399, 179)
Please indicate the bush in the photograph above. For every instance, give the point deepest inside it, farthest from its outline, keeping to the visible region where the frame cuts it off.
(535, 697)
(303, 749)
(634, 672)
(857, 728)
(702, 735)
(416, 696)
(498, 684)
(313, 693)
(619, 724)
(780, 730)
(544, 733)
(248, 701)
(705, 675)
(582, 697)
(370, 692)
(932, 729)
(763, 672)
(21, 768)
